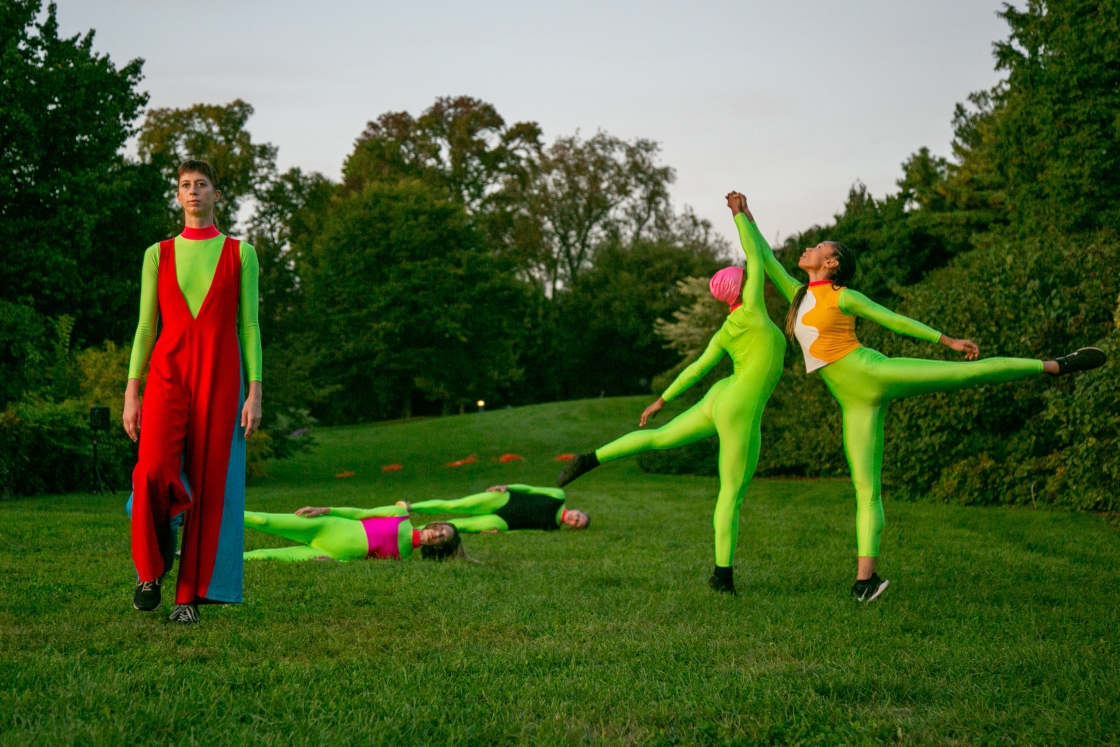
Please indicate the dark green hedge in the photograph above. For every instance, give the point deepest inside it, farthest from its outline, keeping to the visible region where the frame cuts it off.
(47, 447)
(1046, 440)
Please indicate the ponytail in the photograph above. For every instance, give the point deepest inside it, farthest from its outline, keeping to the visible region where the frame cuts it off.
(841, 277)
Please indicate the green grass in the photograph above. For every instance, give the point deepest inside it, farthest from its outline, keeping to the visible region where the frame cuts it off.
(1000, 626)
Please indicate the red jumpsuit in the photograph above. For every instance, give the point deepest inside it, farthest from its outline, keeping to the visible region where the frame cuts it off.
(189, 428)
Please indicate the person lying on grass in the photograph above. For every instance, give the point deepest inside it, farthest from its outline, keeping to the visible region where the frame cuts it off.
(352, 534)
(504, 508)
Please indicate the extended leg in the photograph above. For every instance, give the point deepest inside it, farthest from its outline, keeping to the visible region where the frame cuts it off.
(909, 377)
(690, 426)
(286, 553)
(473, 505)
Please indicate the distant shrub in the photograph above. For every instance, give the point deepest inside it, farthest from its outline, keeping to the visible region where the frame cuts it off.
(47, 447)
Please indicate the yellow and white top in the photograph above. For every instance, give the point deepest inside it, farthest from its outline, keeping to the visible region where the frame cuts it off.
(826, 323)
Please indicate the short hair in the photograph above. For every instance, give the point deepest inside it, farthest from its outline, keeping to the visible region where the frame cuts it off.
(197, 166)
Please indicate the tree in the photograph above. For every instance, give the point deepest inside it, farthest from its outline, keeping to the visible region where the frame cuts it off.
(216, 134)
(585, 193)
(404, 301)
(1047, 136)
(289, 212)
(607, 315)
(76, 215)
(460, 146)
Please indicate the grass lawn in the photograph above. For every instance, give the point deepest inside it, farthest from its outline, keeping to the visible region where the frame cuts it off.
(1000, 626)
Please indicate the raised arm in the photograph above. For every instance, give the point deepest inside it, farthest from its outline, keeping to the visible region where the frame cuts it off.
(367, 513)
(712, 355)
(755, 277)
(749, 235)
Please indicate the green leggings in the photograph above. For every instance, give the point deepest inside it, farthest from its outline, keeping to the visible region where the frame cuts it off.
(320, 537)
(864, 382)
(733, 409)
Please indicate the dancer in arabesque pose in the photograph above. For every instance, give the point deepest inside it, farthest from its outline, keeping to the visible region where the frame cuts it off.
(822, 316)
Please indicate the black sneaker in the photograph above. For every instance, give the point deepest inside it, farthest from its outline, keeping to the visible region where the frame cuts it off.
(869, 590)
(723, 579)
(1085, 359)
(147, 596)
(582, 464)
(185, 613)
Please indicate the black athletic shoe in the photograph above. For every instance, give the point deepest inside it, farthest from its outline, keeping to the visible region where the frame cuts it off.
(582, 464)
(147, 596)
(723, 579)
(1085, 359)
(184, 613)
(869, 589)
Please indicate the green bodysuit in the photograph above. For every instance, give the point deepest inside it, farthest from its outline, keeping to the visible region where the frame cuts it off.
(733, 406)
(343, 534)
(195, 263)
(865, 381)
(521, 507)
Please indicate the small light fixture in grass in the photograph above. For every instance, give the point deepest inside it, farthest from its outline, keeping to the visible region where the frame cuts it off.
(481, 405)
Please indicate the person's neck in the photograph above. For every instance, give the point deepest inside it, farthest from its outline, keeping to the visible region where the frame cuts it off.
(815, 275)
(198, 221)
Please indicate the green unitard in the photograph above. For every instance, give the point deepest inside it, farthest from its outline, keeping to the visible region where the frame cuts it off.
(864, 381)
(520, 506)
(195, 264)
(340, 535)
(733, 407)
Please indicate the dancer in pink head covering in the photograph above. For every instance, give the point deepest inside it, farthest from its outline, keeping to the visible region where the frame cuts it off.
(727, 286)
(732, 408)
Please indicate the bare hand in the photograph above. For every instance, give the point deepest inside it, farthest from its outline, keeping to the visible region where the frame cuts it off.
(651, 411)
(970, 349)
(405, 505)
(737, 201)
(498, 489)
(251, 412)
(310, 512)
(132, 408)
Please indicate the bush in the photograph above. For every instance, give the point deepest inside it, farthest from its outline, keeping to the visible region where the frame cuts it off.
(47, 447)
(1035, 299)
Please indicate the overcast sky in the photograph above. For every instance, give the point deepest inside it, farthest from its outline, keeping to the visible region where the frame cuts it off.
(790, 102)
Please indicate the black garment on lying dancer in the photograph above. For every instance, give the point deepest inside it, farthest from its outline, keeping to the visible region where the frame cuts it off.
(526, 511)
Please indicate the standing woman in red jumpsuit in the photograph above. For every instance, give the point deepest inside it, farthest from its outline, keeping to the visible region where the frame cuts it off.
(197, 334)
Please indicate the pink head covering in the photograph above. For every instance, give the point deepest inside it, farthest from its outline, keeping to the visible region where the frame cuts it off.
(727, 286)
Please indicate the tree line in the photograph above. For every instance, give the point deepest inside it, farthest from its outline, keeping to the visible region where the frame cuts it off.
(1012, 242)
(461, 257)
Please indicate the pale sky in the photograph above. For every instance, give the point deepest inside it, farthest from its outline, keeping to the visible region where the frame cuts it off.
(790, 102)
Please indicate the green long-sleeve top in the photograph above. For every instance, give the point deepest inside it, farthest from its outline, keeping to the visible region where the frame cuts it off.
(404, 529)
(748, 332)
(195, 265)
